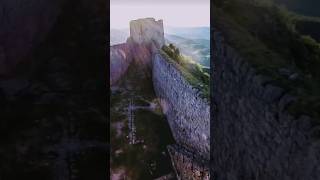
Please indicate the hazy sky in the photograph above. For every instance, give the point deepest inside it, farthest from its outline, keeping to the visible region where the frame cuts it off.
(179, 13)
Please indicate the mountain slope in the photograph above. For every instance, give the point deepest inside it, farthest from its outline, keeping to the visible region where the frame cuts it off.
(198, 49)
(190, 32)
(266, 37)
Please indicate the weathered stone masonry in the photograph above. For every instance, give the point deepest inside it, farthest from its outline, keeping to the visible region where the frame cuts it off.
(253, 136)
(189, 118)
(187, 165)
(187, 113)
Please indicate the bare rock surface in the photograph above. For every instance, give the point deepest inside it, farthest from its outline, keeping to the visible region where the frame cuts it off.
(146, 37)
(120, 59)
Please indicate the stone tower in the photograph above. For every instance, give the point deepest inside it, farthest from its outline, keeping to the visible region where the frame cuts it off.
(147, 31)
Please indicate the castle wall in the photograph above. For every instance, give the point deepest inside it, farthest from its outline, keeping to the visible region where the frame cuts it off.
(187, 113)
(253, 134)
(146, 31)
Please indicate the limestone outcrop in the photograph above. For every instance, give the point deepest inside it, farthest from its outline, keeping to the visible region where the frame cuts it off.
(120, 59)
(146, 37)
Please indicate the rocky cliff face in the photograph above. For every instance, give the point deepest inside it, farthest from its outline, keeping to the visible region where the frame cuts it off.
(187, 113)
(146, 36)
(120, 59)
(22, 26)
(253, 134)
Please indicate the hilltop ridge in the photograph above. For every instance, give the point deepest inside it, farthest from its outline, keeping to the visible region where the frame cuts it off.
(179, 98)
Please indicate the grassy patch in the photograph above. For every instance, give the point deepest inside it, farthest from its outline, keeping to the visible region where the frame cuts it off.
(193, 72)
(265, 35)
(151, 127)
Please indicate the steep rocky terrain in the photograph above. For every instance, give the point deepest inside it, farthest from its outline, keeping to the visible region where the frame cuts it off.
(254, 135)
(185, 110)
(121, 59)
(197, 49)
(139, 130)
(265, 121)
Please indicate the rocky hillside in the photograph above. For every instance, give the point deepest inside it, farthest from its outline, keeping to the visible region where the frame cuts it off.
(197, 49)
(146, 36)
(184, 106)
(121, 58)
(265, 95)
(254, 135)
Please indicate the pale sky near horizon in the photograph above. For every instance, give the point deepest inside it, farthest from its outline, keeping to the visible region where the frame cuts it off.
(176, 13)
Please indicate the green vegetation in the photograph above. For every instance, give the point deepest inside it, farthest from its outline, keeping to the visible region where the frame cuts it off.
(266, 36)
(152, 131)
(193, 72)
(197, 49)
(305, 7)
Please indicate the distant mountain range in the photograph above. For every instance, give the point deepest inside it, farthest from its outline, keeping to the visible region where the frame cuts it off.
(193, 42)
(189, 32)
(197, 49)
(118, 36)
